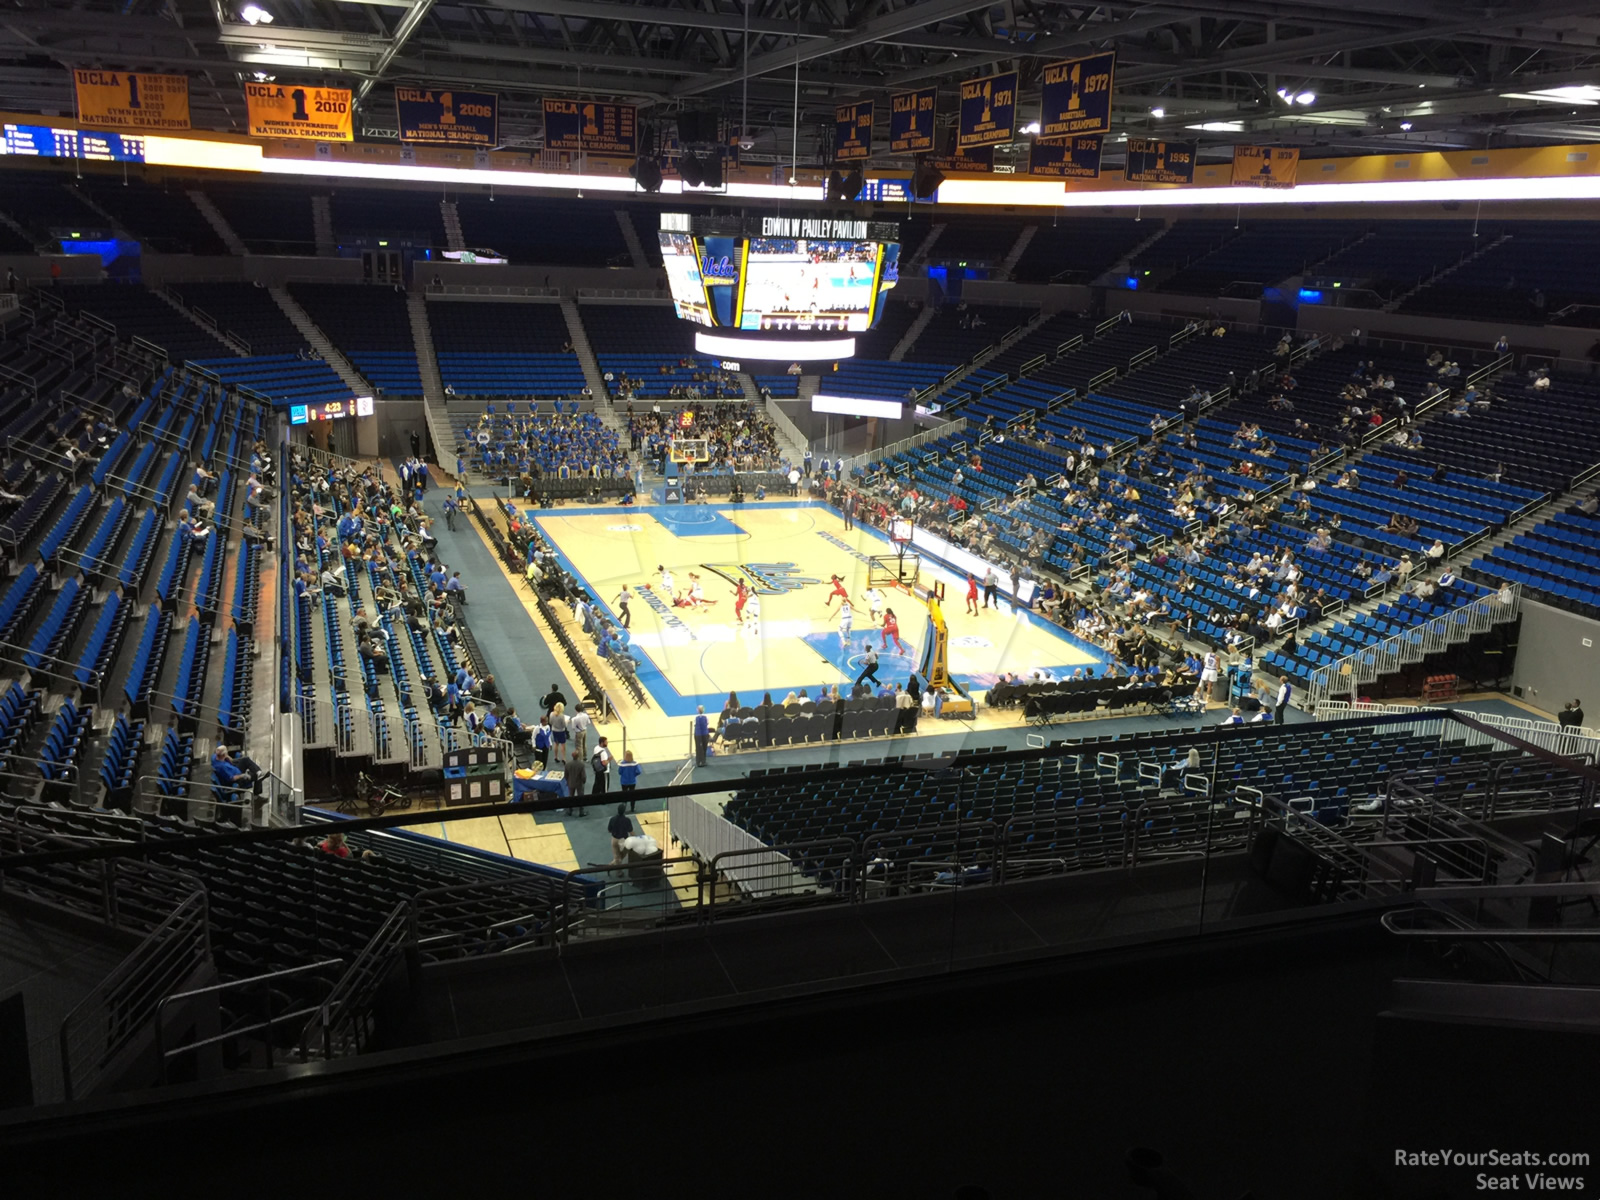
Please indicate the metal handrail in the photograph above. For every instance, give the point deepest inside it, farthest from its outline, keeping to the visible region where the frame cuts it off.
(255, 981)
(336, 1017)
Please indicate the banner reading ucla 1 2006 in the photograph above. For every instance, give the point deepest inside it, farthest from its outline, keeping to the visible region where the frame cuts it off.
(988, 111)
(448, 118)
(1076, 97)
(604, 130)
(852, 131)
(1265, 166)
(1159, 162)
(131, 100)
(911, 121)
(1067, 158)
(283, 110)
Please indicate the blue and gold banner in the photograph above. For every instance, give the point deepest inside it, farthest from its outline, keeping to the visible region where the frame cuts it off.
(1265, 166)
(1159, 162)
(1066, 158)
(852, 131)
(1076, 97)
(448, 118)
(588, 127)
(988, 111)
(911, 121)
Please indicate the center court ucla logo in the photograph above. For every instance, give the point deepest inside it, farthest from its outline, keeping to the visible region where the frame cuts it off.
(764, 579)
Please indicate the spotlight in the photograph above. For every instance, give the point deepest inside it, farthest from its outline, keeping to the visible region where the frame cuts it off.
(834, 188)
(703, 168)
(925, 180)
(646, 173)
(841, 189)
(854, 183)
(690, 171)
(1306, 98)
(1405, 126)
(254, 14)
(1158, 112)
(1031, 127)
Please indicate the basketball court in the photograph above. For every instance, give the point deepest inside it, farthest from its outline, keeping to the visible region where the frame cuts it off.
(785, 553)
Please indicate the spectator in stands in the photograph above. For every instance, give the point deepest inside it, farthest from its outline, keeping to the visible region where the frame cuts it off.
(199, 505)
(193, 529)
(1236, 717)
(1572, 714)
(235, 773)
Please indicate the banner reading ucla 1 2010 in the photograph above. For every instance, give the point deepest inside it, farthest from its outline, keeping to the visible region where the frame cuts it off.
(911, 121)
(1067, 158)
(988, 111)
(852, 131)
(1265, 166)
(604, 130)
(448, 117)
(283, 110)
(132, 100)
(1076, 97)
(1159, 162)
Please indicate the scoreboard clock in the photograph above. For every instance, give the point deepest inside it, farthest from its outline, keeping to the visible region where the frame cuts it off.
(330, 410)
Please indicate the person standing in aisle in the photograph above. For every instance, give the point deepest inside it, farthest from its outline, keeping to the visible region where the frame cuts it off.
(600, 764)
(578, 725)
(702, 735)
(620, 830)
(1281, 700)
(628, 777)
(577, 779)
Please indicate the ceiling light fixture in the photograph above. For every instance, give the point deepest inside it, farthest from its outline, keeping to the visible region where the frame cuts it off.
(1031, 127)
(1218, 127)
(254, 14)
(1405, 126)
(1158, 113)
(1306, 98)
(1585, 93)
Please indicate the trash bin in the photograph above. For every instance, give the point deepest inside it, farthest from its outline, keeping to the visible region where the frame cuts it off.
(646, 870)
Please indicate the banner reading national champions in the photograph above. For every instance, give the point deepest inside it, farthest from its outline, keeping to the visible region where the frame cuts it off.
(1159, 162)
(852, 131)
(604, 130)
(132, 100)
(1265, 166)
(448, 118)
(1076, 97)
(911, 121)
(1065, 158)
(988, 111)
(280, 110)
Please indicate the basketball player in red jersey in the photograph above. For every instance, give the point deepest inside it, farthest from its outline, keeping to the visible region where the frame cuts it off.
(891, 629)
(739, 597)
(838, 590)
(972, 595)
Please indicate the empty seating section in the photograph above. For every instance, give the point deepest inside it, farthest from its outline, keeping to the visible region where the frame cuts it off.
(60, 754)
(162, 217)
(1070, 250)
(43, 203)
(391, 214)
(488, 348)
(978, 241)
(1264, 253)
(1396, 256)
(879, 341)
(372, 328)
(1103, 802)
(557, 232)
(275, 220)
(779, 387)
(1184, 241)
(868, 379)
(1557, 561)
(1197, 363)
(959, 333)
(1454, 511)
(247, 311)
(137, 313)
(647, 344)
(281, 377)
(1531, 276)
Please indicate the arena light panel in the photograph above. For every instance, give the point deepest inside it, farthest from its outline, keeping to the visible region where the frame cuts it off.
(855, 406)
(774, 349)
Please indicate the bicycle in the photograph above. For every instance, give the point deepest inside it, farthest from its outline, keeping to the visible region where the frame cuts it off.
(379, 797)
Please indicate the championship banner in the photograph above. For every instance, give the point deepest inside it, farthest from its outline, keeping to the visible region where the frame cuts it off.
(1076, 96)
(126, 100)
(852, 131)
(1265, 166)
(280, 110)
(963, 162)
(1068, 158)
(604, 130)
(1159, 162)
(988, 111)
(911, 121)
(448, 118)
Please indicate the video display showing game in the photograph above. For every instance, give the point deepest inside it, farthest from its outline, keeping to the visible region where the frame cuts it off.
(682, 262)
(802, 284)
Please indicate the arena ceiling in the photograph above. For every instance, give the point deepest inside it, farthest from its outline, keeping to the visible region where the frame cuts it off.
(1331, 76)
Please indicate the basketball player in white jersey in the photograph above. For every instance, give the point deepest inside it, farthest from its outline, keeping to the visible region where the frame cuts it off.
(752, 616)
(846, 622)
(666, 584)
(1208, 676)
(874, 602)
